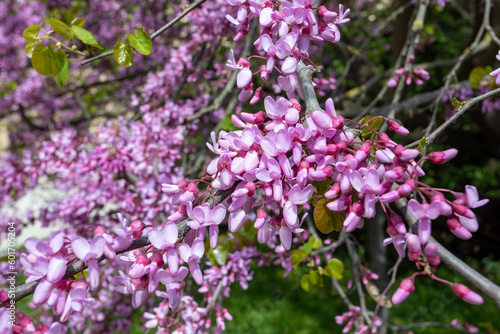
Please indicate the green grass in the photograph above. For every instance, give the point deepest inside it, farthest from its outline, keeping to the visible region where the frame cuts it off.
(274, 304)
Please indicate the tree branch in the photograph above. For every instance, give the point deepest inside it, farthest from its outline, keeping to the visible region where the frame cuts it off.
(153, 35)
(471, 103)
(306, 74)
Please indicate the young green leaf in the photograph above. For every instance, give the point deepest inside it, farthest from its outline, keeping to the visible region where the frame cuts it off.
(297, 256)
(421, 145)
(455, 102)
(374, 125)
(314, 277)
(77, 22)
(44, 60)
(365, 120)
(476, 75)
(123, 54)
(85, 36)
(62, 61)
(305, 283)
(61, 29)
(326, 220)
(334, 268)
(31, 32)
(28, 48)
(141, 42)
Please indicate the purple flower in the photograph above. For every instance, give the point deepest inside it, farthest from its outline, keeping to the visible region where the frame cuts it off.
(296, 196)
(166, 240)
(203, 216)
(192, 255)
(90, 253)
(473, 197)
(77, 299)
(173, 285)
(424, 213)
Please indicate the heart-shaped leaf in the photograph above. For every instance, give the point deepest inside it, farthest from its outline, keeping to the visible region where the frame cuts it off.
(326, 220)
(334, 268)
(31, 32)
(141, 42)
(123, 54)
(44, 60)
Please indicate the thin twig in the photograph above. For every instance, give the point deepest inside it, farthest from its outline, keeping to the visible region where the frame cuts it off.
(465, 55)
(357, 279)
(472, 102)
(394, 270)
(153, 35)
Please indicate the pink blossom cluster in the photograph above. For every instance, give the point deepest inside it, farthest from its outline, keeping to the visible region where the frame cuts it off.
(407, 286)
(354, 317)
(286, 31)
(417, 76)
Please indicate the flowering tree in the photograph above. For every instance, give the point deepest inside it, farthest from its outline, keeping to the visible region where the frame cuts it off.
(151, 220)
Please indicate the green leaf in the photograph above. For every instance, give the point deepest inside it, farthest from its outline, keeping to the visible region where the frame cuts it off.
(123, 54)
(374, 125)
(312, 243)
(297, 256)
(141, 42)
(421, 145)
(31, 32)
(44, 60)
(61, 29)
(62, 61)
(455, 102)
(314, 277)
(85, 36)
(334, 268)
(28, 48)
(326, 220)
(475, 76)
(365, 120)
(305, 283)
(77, 22)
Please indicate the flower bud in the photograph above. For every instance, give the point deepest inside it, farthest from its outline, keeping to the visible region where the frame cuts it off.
(431, 252)
(405, 288)
(396, 127)
(413, 244)
(441, 157)
(457, 229)
(466, 294)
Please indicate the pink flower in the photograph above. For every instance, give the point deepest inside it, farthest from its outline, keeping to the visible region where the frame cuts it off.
(473, 197)
(90, 253)
(166, 240)
(424, 213)
(77, 299)
(192, 255)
